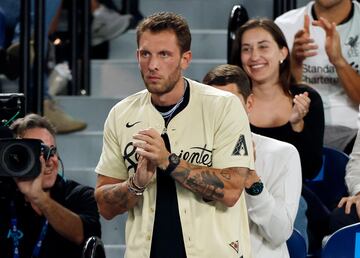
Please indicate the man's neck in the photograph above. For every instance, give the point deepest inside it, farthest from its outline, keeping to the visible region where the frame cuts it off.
(336, 13)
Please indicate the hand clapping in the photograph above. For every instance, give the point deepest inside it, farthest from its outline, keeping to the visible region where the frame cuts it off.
(304, 45)
(300, 108)
(152, 154)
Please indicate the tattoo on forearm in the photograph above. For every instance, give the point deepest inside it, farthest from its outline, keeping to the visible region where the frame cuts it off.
(226, 175)
(207, 183)
(182, 175)
(113, 197)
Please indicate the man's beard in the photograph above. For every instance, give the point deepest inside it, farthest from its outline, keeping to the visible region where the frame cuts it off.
(164, 87)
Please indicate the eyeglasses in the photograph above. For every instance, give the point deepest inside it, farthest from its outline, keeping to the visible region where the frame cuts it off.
(47, 151)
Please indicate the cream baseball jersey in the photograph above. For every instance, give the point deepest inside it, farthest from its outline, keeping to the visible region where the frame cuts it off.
(212, 130)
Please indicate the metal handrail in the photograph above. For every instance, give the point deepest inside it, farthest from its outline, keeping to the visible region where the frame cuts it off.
(25, 28)
(31, 81)
(39, 61)
(80, 47)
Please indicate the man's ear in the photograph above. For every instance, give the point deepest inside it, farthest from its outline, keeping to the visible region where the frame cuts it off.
(186, 59)
(249, 103)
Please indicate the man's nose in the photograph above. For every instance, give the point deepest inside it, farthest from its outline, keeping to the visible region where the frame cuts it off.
(153, 63)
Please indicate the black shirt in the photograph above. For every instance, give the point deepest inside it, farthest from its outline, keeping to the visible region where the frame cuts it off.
(77, 198)
(167, 240)
(309, 142)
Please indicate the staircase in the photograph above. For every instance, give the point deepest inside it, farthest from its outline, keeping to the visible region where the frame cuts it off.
(118, 77)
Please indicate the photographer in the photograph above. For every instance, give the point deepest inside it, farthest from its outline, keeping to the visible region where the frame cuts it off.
(47, 216)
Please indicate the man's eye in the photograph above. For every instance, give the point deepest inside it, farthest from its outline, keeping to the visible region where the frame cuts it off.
(164, 54)
(144, 54)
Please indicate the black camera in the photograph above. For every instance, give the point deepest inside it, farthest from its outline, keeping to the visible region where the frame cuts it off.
(20, 157)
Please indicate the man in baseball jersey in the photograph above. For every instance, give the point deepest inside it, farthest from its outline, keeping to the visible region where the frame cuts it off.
(176, 156)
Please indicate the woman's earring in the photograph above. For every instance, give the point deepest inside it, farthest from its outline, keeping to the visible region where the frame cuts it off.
(281, 61)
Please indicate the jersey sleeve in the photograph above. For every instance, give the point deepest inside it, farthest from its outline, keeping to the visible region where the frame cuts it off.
(232, 139)
(111, 161)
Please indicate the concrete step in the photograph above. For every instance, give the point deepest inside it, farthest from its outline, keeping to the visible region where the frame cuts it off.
(113, 231)
(114, 251)
(198, 13)
(80, 149)
(93, 110)
(83, 175)
(124, 47)
(202, 14)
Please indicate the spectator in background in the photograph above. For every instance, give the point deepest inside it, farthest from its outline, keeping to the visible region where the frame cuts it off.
(348, 211)
(272, 190)
(107, 22)
(325, 41)
(7, 67)
(131, 7)
(49, 216)
(63, 122)
(189, 135)
(282, 109)
(9, 38)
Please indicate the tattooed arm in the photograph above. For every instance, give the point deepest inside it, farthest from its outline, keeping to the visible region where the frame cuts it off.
(224, 185)
(113, 196)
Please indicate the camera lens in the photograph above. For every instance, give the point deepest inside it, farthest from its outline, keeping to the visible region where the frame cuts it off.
(18, 159)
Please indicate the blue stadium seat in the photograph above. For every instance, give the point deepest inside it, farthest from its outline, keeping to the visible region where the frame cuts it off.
(296, 245)
(329, 184)
(344, 243)
(322, 194)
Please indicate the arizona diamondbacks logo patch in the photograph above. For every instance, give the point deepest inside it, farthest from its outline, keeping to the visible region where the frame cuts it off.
(235, 245)
(240, 147)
